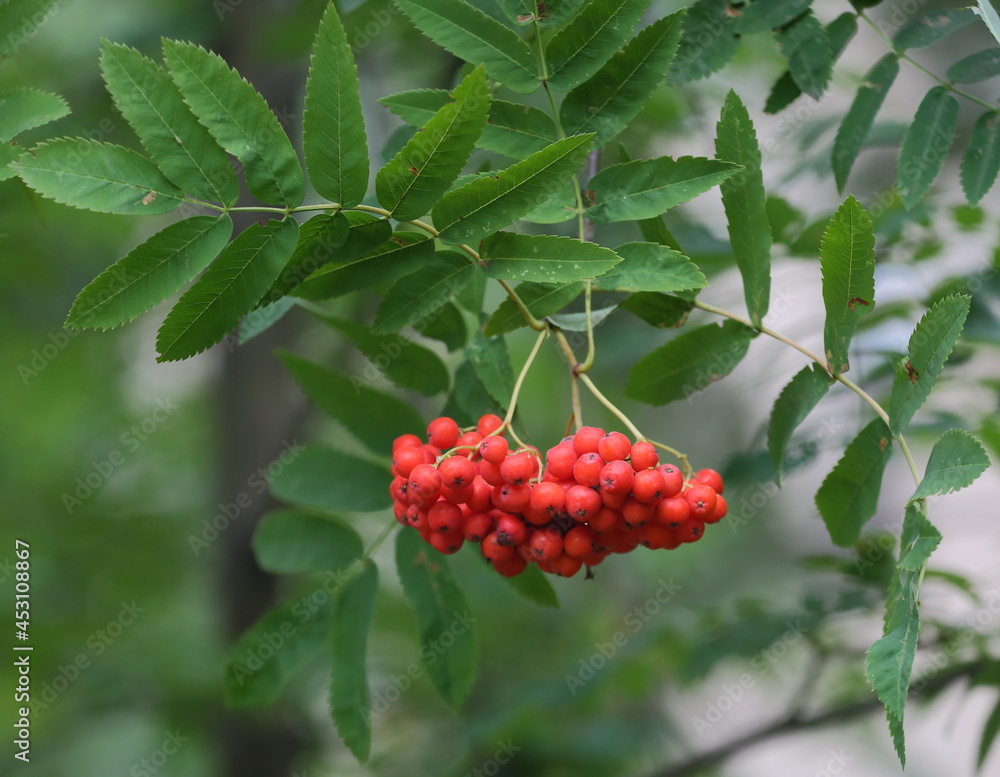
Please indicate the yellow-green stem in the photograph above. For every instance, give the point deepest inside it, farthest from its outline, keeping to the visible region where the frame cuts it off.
(520, 381)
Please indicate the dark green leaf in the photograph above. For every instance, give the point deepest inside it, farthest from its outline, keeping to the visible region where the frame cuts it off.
(708, 42)
(8, 153)
(560, 207)
(544, 258)
(764, 15)
(980, 66)
(472, 296)
(981, 161)
(652, 267)
(470, 397)
(925, 145)
(490, 361)
(956, 460)
(794, 403)
(517, 130)
(288, 542)
(931, 27)
(24, 109)
(535, 587)
(807, 47)
(660, 310)
(420, 293)
(990, 730)
(20, 20)
(849, 495)
(919, 539)
(888, 668)
(331, 480)
(262, 318)
(446, 324)
(416, 106)
(542, 299)
(320, 241)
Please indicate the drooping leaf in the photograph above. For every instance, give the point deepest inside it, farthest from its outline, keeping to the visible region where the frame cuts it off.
(918, 540)
(849, 494)
(20, 20)
(485, 205)
(150, 273)
(956, 460)
(744, 201)
(227, 291)
(652, 267)
(644, 188)
(580, 48)
(24, 109)
(372, 416)
(544, 258)
(926, 144)
(764, 15)
(333, 126)
(535, 587)
(490, 360)
(422, 292)
(981, 160)
(931, 27)
(578, 322)
(429, 164)
(330, 480)
(976, 67)
(860, 116)
(928, 350)
(689, 363)
(542, 299)
(321, 239)
(608, 102)
(990, 730)
(807, 47)
(708, 42)
(446, 626)
(181, 147)
(663, 311)
(97, 176)
(290, 542)
(239, 120)
(792, 406)
(888, 668)
(350, 622)
(472, 35)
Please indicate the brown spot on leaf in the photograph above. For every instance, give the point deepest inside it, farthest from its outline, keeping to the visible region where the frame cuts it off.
(914, 375)
(882, 442)
(853, 302)
(397, 240)
(414, 171)
(591, 196)
(733, 12)
(148, 199)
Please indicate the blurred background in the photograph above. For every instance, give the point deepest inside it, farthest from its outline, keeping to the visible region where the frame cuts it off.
(114, 466)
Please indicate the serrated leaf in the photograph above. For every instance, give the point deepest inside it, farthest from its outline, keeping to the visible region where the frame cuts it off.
(985, 11)
(20, 20)
(446, 324)
(956, 460)
(25, 109)
(928, 350)
(446, 626)
(542, 299)
(708, 42)
(240, 121)
(578, 322)
(430, 162)
(290, 542)
(320, 241)
(807, 47)
(544, 258)
(990, 730)
(8, 153)
(181, 147)
(490, 360)
(791, 407)
(405, 363)
(860, 116)
(535, 587)
(764, 15)
(926, 144)
(255, 670)
(555, 13)
(744, 201)
(473, 295)
(470, 34)
(98, 176)
(919, 539)
(416, 106)
(663, 311)
(644, 188)
(976, 67)
(888, 668)
(931, 27)
(580, 48)
(372, 416)
(651, 267)
(422, 292)
(350, 622)
(615, 95)
(150, 273)
(981, 160)
(227, 291)
(330, 480)
(689, 363)
(849, 494)
(847, 260)
(485, 205)
(469, 397)
(262, 318)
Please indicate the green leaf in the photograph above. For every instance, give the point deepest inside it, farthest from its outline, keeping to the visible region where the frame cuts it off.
(472, 296)
(428, 165)
(227, 291)
(321, 240)
(544, 258)
(490, 360)
(928, 350)
(989, 15)
(931, 27)
(20, 20)
(98, 176)
(860, 116)
(888, 668)
(807, 47)
(580, 48)
(256, 670)
(744, 201)
(764, 15)
(446, 324)
(652, 267)
(240, 121)
(289, 542)
(333, 125)
(608, 102)
(447, 637)
(150, 273)
(470, 34)
(350, 622)
(990, 730)
(956, 460)
(981, 160)
(980, 66)
(792, 406)
(689, 363)
(847, 259)
(181, 147)
(8, 153)
(422, 292)
(849, 495)
(663, 311)
(708, 42)
(925, 145)
(330, 480)
(405, 363)
(262, 318)
(542, 299)
(559, 208)
(485, 205)
(416, 106)
(24, 109)
(535, 587)
(372, 416)
(469, 396)
(919, 539)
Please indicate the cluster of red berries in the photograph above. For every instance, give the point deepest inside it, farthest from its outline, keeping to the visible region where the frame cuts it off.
(597, 494)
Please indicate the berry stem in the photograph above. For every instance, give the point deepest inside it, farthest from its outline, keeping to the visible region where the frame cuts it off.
(591, 351)
(520, 381)
(681, 457)
(577, 417)
(585, 379)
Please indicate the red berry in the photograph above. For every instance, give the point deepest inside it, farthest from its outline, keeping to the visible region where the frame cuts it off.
(406, 441)
(613, 501)
(673, 480)
(519, 468)
(579, 541)
(447, 543)
(443, 433)
(475, 526)
(488, 424)
(648, 486)
(636, 513)
(702, 500)
(672, 511)
(721, 508)
(425, 481)
(628, 542)
(643, 456)
(417, 518)
(459, 496)
(559, 461)
(482, 496)
(469, 440)
(430, 453)
(511, 497)
(616, 477)
(654, 536)
(457, 472)
(545, 544)
(511, 530)
(587, 440)
(582, 503)
(397, 489)
(490, 472)
(405, 459)
(709, 477)
(566, 566)
(547, 499)
(605, 520)
(614, 446)
(691, 530)
(512, 567)
(494, 550)
(587, 470)
(494, 449)
(445, 517)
